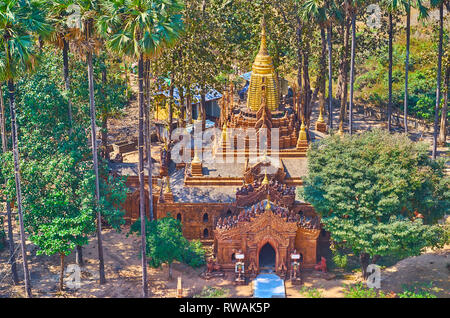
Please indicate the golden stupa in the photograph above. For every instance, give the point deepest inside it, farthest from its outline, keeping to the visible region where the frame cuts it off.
(263, 75)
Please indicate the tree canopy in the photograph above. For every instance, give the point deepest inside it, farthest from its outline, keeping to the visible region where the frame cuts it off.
(369, 189)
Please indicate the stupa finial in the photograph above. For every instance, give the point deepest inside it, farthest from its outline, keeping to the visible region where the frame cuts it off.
(263, 45)
(266, 180)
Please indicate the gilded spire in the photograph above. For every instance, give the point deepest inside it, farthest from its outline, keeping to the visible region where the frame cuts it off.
(263, 45)
(263, 75)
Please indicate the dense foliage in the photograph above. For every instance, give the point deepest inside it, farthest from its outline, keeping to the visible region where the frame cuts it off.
(367, 187)
(372, 81)
(57, 177)
(166, 244)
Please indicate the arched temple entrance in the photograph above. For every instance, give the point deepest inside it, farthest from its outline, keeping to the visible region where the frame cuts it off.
(267, 257)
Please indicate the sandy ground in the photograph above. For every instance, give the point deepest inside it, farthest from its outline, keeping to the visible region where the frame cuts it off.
(123, 274)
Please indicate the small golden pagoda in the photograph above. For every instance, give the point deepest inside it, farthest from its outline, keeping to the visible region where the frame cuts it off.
(263, 75)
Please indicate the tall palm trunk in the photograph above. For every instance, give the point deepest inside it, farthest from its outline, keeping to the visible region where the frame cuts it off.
(189, 101)
(12, 256)
(170, 109)
(344, 76)
(141, 175)
(149, 142)
(323, 71)
(330, 77)
(203, 107)
(61, 271)
(405, 102)
(14, 138)
(389, 108)
(443, 129)
(65, 53)
(95, 162)
(67, 81)
(306, 85)
(438, 84)
(182, 104)
(105, 117)
(352, 73)
(299, 63)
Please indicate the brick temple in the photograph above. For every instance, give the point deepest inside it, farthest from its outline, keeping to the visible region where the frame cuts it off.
(248, 206)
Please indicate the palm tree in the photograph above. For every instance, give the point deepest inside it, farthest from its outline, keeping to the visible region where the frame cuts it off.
(12, 257)
(21, 23)
(443, 128)
(353, 10)
(58, 17)
(86, 42)
(141, 29)
(440, 5)
(391, 7)
(406, 5)
(333, 15)
(63, 30)
(342, 91)
(315, 11)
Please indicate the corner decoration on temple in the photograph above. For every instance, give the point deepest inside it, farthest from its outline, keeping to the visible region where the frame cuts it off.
(248, 207)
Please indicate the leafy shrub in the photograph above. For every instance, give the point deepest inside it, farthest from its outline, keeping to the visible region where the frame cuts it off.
(166, 243)
(194, 254)
(361, 291)
(340, 261)
(213, 292)
(417, 291)
(311, 292)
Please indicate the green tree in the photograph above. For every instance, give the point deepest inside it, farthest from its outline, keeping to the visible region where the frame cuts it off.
(367, 187)
(58, 16)
(57, 178)
(406, 6)
(12, 257)
(392, 6)
(166, 244)
(21, 23)
(439, 4)
(86, 42)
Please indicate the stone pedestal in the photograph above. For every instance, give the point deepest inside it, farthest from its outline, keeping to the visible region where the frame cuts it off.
(197, 169)
(321, 126)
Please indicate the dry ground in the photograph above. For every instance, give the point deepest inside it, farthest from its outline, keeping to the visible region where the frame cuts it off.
(123, 273)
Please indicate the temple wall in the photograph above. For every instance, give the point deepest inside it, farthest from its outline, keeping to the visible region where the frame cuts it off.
(195, 217)
(198, 220)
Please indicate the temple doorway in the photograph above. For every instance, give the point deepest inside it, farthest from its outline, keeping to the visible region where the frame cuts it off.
(267, 258)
